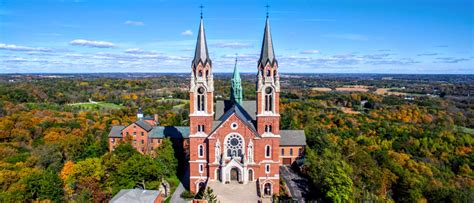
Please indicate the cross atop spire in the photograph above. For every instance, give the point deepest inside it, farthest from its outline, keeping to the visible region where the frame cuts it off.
(267, 6)
(201, 7)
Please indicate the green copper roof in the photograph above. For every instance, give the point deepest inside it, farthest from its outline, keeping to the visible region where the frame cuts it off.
(236, 86)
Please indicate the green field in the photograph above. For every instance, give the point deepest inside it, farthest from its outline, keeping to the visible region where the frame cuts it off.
(95, 105)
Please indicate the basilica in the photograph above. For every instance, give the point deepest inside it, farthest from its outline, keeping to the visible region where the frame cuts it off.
(227, 142)
(236, 140)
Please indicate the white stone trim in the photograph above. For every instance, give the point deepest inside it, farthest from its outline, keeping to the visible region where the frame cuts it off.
(198, 177)
(198, 161)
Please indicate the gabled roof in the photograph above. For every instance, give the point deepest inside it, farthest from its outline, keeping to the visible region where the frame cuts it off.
(156, 132)
(240, 112)
(135, 195)
(144, 125)
(116, 131)
(267, 55)
(292, 138)
(201, 53)
(223, 106)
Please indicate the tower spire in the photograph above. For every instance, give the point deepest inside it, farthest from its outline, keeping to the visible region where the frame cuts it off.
(236, 86)
(267, 55)
(201, 54)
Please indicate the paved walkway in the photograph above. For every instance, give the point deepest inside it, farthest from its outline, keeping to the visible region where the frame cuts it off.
(299, 187)
(235, 192)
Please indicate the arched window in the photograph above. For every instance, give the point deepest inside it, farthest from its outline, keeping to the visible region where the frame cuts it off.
(268, 151)
(234, 145)
(291, 151)
(207, 73)
(268, 73)
(200, 73)
(201, 151)
(200, 99)
(267, 168)
(268, 128)
(268, 99)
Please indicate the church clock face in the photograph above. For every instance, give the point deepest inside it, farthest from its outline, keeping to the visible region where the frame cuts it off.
(200, 90)
(268, 90)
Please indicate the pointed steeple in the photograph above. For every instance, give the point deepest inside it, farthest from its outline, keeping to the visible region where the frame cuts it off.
(267, 54)
(201, 53)
(236, 86)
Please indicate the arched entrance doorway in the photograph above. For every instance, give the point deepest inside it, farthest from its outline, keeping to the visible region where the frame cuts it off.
(234, 174)
(250, 175)
(201, 186)
(267, 189)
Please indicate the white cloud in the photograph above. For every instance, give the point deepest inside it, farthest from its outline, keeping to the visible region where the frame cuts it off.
(134, 23)
(233, 45)
(139, 51)
(91, 43)
(12, 47)
(187, 33)
(310, 52)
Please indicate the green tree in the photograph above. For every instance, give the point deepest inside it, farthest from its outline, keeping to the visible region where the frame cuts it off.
(43, 185)
(165, 154)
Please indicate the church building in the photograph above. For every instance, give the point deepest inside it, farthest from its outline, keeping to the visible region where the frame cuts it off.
(228, 142)
(235, 140)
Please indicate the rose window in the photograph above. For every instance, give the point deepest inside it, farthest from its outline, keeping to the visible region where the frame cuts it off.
(234, 146)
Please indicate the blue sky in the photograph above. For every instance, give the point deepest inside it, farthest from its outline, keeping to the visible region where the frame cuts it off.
(316, 36)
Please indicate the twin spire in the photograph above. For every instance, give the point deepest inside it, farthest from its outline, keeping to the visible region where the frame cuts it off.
(201, 54)
(267, 55)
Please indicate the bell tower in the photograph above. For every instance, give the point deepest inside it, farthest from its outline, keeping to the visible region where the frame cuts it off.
(201, 111)
(268, 88)
(201, 91)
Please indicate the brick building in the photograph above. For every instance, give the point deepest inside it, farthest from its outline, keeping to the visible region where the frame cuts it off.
(238, 140)
(232, 140)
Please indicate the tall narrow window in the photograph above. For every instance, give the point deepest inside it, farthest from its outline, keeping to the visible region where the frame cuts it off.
(268, 128)
(201, 151)
(268, 99)
(291, 152)
(200, 128)
(200, 99)
(267, 168)
(268, 151)
(201, 168)
(282, 151)
(200, 73)
(268, 73)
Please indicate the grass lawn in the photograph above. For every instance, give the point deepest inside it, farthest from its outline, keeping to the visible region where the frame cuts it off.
(95, 105)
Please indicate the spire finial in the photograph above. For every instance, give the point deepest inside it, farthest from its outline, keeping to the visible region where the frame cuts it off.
(201, 6)
(267, 6)
(236, 55)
